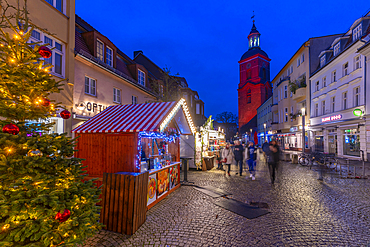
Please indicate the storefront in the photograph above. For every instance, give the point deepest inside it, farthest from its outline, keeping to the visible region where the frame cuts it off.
(293, 139)
(342, 134)
(135, 139)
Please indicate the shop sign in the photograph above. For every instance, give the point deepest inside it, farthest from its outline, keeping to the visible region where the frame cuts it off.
(357, 112)
(293, 129)
(331, 118)
(95, 107)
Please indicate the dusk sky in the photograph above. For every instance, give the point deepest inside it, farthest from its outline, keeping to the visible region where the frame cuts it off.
(204, 40)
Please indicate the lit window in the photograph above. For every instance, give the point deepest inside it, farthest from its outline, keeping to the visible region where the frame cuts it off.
(357, 96)
(357, 62)
(100, 50)
(109, 56)
(134, 100)
(334, 76)
(90, 86)
(345, 69)
(141, 78)
(116, 95)
(357, 32)
(337, 49)
(322, 60)
(344, 96)
(286, 114)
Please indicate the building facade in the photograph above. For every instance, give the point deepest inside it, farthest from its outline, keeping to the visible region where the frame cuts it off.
(338, 95)
(254, 86)
(290, 94)
(264, 121)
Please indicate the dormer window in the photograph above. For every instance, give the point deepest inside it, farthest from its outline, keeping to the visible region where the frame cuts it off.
(100, 50)
(141, 78)
(322, 60)
(357, 32)
(109, 56)
(337, 49)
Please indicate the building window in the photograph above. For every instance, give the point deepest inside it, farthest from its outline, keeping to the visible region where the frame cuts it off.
(134, 100)
(324, 81)
(333, 104)
(285, 92)
(316, 110)
(286, 114)
(141, 78)
(58, 4)
(90, 86)
(57, 59)
(322, 61)
(264, 74)
(100, 50)
(357, 32)
(334, 76)
(302, 60)
(345, 69)
(249, 96)
(357, 62)
(337, 49)
(109, 56)
(357, 96)
(344, 96)
(197, 108)
(116, 95)
(323, 107)
(298, 62)
(317, 86)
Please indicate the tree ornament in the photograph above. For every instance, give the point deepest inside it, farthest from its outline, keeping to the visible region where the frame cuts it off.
(46, 102)
(11, 129)
(44, 51)
(64, 216)
(65, 114)
(34, 153)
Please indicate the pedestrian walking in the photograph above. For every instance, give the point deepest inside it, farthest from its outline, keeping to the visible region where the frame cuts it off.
(238, 154)
(251, 159)
(273, 159)
(219, 159)
(265, 149)
(227, 157)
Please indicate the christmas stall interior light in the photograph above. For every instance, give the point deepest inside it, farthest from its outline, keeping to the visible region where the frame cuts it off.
(43, 198)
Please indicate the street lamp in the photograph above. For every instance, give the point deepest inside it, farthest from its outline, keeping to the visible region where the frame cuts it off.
(251, 135)
(264, 134)
(303, 130)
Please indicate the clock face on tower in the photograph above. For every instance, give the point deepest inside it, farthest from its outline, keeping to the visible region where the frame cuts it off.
(248, 65)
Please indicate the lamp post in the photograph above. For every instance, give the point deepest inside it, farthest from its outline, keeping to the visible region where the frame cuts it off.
(264, 133)
(251, 135)
(303, 129)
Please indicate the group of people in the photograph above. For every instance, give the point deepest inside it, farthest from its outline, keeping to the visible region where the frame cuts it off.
(249, 154)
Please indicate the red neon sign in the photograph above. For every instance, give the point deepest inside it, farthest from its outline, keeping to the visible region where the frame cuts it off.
(331, 118)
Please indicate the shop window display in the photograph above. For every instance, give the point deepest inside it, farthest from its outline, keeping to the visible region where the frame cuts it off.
(351, 145)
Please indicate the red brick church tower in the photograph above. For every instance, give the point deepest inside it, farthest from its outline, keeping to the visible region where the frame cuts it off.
(254, 86)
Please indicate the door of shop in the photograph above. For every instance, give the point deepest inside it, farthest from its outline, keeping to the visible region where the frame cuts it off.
(333, 147)
(319, 144)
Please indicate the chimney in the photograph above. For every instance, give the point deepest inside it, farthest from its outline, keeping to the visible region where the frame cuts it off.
(137, 53)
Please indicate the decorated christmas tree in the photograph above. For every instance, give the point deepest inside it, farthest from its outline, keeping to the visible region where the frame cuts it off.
(43, 198)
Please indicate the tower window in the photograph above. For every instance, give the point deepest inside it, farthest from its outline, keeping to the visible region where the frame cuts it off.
(249, 98)
(263, 73)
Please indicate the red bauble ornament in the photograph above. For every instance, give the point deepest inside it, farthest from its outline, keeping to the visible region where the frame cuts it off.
(64, 216)
(65, 114)
(11, 129)
(46, 102)
(44, 51)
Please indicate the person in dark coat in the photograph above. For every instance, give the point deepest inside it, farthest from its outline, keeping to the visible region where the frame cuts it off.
(251, 156)
(273, 159)
(238, 154)
(265, 149)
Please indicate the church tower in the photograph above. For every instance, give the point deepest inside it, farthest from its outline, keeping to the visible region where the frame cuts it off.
(254, 85)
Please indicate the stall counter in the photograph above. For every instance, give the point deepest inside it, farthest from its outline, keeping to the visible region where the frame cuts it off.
(162, 182)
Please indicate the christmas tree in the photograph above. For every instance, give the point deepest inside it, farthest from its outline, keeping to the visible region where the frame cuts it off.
(43, 198)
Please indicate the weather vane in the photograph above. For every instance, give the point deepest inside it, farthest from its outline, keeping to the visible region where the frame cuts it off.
(253, 16)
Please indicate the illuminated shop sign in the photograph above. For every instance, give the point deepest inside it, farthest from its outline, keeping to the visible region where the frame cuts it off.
(331, 118)
(293, 129)
(357, 112)
(89, 106)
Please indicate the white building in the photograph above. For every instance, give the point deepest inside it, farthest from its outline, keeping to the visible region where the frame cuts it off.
(264, 120)
(338, 96)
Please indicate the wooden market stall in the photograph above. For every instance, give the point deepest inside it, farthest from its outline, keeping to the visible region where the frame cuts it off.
(134, 151)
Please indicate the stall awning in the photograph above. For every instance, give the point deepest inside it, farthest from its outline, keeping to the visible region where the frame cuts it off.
(139, 117)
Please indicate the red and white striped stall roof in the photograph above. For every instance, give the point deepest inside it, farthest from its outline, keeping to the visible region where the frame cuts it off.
(128, 118)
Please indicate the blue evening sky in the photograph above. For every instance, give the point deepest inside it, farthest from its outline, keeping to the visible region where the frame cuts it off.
(203, 40)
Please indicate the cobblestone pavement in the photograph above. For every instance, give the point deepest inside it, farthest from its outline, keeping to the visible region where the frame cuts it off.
(304, 212)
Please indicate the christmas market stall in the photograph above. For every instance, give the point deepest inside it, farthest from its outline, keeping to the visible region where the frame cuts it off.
(134, 151)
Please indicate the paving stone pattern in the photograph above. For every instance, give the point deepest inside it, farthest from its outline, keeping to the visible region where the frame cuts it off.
(304, 212)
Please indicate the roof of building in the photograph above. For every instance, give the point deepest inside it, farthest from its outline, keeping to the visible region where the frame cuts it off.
(252, 52)
(139, 117)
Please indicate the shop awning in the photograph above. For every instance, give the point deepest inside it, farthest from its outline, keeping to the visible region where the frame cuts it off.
(139, 117)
